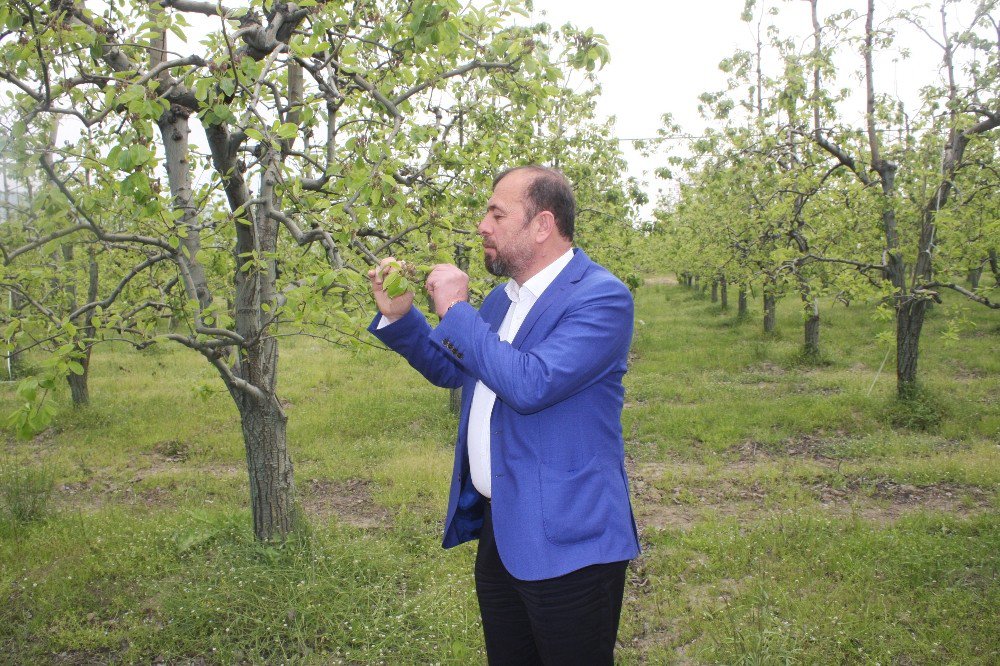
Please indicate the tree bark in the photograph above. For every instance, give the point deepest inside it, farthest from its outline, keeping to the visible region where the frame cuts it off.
(741, 309)
(909, 321)
(724, 288)
(770, 305)
(769, 312)
(272, 486)
(715, 291)
(79, 385)
(975, 274)
(812, 322)
(14, 360)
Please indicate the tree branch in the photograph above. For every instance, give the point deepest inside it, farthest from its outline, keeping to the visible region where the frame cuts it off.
(121, 285)
(206, 8)
(91, 224)
(458, 71)
(960, 289)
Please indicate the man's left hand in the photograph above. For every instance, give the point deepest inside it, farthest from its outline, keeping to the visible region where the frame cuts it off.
(447, 284)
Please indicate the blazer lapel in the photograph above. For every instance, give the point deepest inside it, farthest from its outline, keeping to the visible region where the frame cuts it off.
(566, 279)
(495, 307)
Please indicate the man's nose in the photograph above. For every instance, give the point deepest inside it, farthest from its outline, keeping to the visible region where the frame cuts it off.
(483, 228)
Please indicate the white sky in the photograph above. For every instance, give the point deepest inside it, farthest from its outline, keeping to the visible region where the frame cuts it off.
(665, 54)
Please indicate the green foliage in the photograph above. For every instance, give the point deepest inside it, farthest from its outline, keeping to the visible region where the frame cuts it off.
(35, 413)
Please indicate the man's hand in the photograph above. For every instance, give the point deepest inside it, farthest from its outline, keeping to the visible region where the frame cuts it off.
(447, 284)
(391, 308)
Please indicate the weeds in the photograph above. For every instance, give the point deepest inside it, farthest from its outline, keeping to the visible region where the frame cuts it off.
(918, 410)
(25, 491)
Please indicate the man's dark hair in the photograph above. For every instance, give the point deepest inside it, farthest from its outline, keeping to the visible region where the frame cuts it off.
(549, 190)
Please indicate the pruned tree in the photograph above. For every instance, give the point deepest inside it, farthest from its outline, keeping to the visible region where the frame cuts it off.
(832, 206)
(971, 113)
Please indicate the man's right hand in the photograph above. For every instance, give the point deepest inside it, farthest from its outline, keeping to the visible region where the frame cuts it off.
(391, 308)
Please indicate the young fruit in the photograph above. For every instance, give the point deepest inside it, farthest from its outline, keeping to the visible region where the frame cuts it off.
(401, 278)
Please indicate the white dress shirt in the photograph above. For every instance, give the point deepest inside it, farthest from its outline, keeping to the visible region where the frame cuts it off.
(522, 298)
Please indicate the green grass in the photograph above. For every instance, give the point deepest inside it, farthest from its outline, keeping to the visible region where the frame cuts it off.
(791, 511)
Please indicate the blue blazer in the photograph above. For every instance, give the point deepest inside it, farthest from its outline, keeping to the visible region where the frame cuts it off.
(560, 493)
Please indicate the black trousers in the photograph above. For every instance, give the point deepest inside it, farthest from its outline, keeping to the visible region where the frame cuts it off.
(572, 619)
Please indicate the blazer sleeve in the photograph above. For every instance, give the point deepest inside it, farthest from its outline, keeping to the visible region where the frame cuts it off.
(590, 340)
(409, 337)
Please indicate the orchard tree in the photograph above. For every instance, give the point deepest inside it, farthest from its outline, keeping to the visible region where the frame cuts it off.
(44, 308)
(329, 133)
(958, 113)
(819, 194)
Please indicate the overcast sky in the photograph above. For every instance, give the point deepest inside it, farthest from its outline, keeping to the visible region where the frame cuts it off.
(665, 54)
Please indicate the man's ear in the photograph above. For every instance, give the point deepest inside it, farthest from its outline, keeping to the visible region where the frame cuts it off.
(546, 226)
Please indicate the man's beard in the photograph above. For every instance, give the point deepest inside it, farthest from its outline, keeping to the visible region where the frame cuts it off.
(515, 257)
(499, 265)
(507, 264)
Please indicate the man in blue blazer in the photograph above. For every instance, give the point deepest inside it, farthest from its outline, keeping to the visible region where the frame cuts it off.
(539, 473)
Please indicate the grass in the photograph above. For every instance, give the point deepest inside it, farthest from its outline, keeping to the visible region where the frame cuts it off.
(792, 511)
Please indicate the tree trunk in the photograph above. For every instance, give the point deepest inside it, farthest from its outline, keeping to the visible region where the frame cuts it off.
(272, 486)
(79, 385)
(741, 310)
(810, 310)
(715, 291)
(812, 335)
(909, 321)
(974, 276)
(769, 312)
(724, 288)
(770, 305)
(995, 267)
(13, 360)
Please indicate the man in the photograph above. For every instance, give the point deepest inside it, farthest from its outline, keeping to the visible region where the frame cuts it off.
(539, 472)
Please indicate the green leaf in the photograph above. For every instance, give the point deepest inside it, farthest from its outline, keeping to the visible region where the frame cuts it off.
(27, 390)
(287, 130)
(395, 284)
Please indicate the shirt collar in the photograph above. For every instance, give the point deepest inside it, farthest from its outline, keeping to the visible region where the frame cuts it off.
(540, 281)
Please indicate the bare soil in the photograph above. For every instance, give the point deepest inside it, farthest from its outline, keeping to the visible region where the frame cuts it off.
(349, 502)
(682, 506)
(661, 279)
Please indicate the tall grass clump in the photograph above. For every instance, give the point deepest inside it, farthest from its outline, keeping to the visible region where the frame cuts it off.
(25, 491)
(918, 410)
